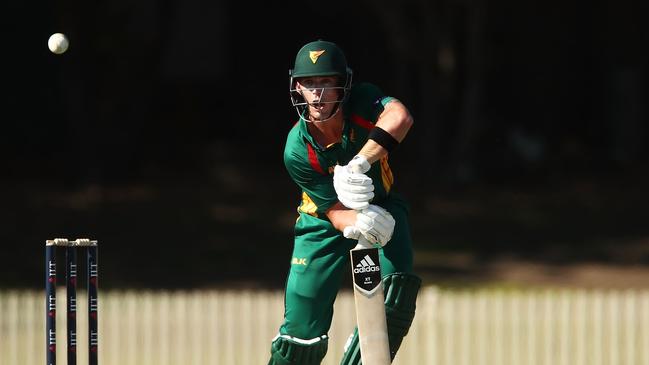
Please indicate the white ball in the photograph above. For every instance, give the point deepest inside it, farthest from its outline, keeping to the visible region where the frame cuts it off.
(58, 43)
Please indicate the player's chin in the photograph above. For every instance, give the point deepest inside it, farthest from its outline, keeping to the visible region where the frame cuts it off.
(316, 114)
(323, 113)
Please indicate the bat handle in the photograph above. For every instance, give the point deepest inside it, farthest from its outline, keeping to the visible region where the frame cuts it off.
(364, 243)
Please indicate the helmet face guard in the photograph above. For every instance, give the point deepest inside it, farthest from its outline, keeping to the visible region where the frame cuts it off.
(320, 58)
(302, 106)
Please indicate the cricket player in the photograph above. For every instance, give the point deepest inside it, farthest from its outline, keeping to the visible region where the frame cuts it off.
(337, 154)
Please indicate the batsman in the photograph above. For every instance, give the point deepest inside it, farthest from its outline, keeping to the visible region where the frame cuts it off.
(337, 154)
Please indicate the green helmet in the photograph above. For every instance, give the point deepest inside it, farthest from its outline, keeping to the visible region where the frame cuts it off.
(320, 58)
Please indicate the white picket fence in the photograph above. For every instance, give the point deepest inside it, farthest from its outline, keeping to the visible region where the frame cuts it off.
(452, 327)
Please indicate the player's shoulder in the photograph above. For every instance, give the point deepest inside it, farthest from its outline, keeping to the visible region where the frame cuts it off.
(364, 88)
(365, 95)
(295, 148)
(294, 132)
(300, 158)
(365, 100)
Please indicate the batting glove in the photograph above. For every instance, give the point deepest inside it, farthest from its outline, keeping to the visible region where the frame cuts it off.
(355, 190)
(374, 223)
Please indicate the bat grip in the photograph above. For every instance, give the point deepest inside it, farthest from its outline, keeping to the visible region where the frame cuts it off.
(364, 243)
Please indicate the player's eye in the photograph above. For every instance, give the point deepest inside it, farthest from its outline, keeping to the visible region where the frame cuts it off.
(319, 83)
(308, 83)
(329, 82)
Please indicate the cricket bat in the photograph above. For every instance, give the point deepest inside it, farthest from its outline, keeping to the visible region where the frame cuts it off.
(369, 300)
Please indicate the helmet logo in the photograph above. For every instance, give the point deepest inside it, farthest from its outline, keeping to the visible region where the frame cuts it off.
(314, 55)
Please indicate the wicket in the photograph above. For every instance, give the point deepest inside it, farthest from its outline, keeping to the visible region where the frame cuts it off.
(71, 247)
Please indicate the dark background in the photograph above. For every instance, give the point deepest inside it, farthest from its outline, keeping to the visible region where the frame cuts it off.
(160, 133)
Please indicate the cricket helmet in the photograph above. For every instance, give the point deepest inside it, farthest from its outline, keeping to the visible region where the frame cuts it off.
(320, 58)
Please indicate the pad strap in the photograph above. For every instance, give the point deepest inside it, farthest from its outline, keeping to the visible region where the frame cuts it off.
(287, 350)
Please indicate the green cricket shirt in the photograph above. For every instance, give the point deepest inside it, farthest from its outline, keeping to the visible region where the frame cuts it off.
(311, 165)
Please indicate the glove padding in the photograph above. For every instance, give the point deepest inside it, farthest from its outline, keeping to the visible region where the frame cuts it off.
(359, 164)
(374, 223)
(354, 189)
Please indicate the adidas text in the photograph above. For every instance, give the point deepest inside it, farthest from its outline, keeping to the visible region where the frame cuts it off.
(359, 270)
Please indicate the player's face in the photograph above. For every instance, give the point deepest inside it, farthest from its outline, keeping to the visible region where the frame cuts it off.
(321, 94)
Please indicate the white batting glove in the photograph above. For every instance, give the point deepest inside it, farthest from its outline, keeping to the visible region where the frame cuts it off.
(354, 189)
(359, 164)
(374, 223)
(352, 232)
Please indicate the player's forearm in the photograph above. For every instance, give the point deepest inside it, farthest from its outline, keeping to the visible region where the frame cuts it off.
(341, 216)
(396, 121)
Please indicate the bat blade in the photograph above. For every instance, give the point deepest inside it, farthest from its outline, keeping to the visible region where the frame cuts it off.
(370, 308)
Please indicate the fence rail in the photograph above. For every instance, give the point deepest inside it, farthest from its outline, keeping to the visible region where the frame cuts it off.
(463, 327)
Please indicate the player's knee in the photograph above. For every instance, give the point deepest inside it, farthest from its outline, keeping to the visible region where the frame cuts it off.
(287, 350)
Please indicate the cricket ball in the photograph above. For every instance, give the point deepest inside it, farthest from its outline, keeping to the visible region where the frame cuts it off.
(58, 43)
